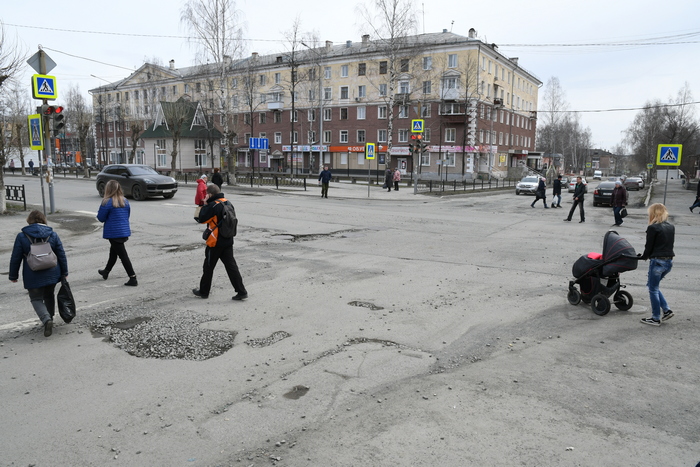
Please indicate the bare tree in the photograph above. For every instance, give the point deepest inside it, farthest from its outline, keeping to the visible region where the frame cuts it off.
(294, 59)
(218, 33)
(391, 22)
(176, 114)
(79, 122)
(18, 106)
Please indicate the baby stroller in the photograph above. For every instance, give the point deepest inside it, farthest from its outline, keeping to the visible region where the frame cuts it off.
(598, 276)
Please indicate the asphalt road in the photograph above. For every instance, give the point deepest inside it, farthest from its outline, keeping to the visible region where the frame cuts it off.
(421, 331)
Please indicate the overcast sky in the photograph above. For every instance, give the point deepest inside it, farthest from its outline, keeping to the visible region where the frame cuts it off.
(600, 76)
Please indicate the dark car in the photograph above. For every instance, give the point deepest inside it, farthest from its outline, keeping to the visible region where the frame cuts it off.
(634, 183)
(603, 194)
(138, 181)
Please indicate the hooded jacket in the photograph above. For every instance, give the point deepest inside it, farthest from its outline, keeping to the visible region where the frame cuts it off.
(201, 192)
(116, 220)
(37, 279)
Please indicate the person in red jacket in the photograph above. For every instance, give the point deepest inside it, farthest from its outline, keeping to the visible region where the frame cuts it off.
(201, 190)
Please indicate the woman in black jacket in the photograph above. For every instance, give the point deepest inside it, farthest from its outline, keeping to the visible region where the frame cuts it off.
(39, 284)
(697, 199)
(541, 193)
(659, 250)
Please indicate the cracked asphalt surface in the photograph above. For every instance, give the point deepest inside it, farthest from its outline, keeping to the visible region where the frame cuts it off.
(409, 330)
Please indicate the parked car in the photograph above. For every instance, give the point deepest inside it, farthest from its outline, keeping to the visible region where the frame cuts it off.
(597, 175)
(603, 194)
(527, 185)
(634, 183)
(572, 184)
(138, 181)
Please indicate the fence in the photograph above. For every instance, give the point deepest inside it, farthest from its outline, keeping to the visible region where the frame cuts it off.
(442, 186)
(270, 180)
(16, 193)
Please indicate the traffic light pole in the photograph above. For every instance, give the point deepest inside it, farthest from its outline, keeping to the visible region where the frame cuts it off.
(47, 145)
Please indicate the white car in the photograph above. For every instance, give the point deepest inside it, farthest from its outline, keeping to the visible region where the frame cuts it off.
(527, 185)
(572, 184)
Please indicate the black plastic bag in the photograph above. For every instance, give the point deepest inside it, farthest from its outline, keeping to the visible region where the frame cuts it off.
(66, 303)
(623, 212)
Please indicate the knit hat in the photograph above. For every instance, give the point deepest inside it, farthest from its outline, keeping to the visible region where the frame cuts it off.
(204, 176)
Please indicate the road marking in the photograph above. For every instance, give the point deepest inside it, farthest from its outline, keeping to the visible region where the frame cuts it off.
(92, 213)
(33, 322)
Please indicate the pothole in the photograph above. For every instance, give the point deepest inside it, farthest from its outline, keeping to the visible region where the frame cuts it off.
(309, 237)
(176, 248)
(369, 305)
(265, 341)
(296, 392)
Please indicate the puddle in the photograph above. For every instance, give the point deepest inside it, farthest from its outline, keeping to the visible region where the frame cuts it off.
(369, 305)
(296, 392)
(265, 341)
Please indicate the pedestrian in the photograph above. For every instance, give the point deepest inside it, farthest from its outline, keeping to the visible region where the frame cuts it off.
(619, 201)
(216, 178)
(39, 284)
(556, 192)
(201, 190)
(218, 247)
(697, 199)
(659, 250)
(541, 193)
(31, 166)
(324, 178)
(579, 192)
(12, 166)
(388, 179)
(114, 212)
(397, 179)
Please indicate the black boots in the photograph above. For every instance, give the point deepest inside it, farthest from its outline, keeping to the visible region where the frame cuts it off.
(104, 273)
(132, 281)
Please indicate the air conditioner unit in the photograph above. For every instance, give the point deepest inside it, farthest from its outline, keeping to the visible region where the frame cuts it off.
(498, 101)
(357, 99)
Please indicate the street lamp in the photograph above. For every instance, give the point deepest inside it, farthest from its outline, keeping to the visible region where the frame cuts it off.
(320, 111)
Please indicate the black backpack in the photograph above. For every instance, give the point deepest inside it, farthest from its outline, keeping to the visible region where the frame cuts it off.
(228, 225)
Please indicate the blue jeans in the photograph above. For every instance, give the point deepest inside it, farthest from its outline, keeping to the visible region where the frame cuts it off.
(43, 301)
(658, 268)
(616, 213)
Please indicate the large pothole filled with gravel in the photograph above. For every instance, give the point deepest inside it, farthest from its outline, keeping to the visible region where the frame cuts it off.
(165, 334)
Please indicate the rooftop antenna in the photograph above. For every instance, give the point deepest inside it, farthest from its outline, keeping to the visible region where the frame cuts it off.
(452, 24)
(423, 5)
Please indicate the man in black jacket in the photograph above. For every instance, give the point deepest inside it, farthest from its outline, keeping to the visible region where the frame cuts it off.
(218, 247)
(579, 192)
(556, 192)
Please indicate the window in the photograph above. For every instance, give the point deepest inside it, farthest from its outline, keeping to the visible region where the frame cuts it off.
(344, 92)
(361, 112)
(381, 111)
(136, 93)
(450, 159)
(449, 83)
(262, 155)
(361, 69)
(200, 153)
(404, 65)
(344, 71)
(262, 98)
(362, 91)
(426, 111)
(311, 137)
(327, 136)
(234, 82)
(126, 96)
(278, 137)
(382, 67)
(312, 74)
(110, 126)
(246, 118)
(382, 89)
(426, 134)
(277, 117)
(327, 93)
(381, 136)
(361, 136)
(360, 158)
(246, 138)
(263, 80)
(278, 78)
(450, 135)
(198, 87)
(295, 137)
(500, 137)
(311, 115)
(262, 117)
(343, 113)
(327, 113)
(294, 116)
(343, 136)
(425, 159)
(427, 63)
(452, 61)
(312, 95)
(327, 72)
(403, 136)
(404, 87)
(490, 66)
(403, 111)
(427, 87)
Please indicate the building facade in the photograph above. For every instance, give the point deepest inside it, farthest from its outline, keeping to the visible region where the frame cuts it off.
(321, 104)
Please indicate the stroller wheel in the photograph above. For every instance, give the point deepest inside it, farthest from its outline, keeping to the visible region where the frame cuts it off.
(574, 296)
(600, 305)
(623, 300)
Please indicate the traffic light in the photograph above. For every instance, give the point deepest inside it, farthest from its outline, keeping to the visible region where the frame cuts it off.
(410, 149)
(58, 119)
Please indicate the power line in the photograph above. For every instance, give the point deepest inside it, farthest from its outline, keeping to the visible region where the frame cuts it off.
(624, 109)
(88, 59)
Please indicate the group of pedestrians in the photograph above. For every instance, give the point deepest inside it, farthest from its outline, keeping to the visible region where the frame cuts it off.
(392, 177)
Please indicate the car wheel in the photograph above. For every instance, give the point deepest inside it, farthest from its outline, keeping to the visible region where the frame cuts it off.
(623, 300)
(101, 189)
(168, 195)
(137, 193)
(517, 192)
(600, 305)
(595, 205)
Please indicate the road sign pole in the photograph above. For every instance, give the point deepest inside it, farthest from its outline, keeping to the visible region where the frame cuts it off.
(665, 186)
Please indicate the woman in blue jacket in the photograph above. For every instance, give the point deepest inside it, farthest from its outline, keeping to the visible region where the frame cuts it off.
(114, 212)
(39, 284)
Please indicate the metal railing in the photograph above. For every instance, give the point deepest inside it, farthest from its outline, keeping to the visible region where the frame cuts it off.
(441, 186)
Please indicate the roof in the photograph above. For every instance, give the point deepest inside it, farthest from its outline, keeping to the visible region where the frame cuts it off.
(188, 129)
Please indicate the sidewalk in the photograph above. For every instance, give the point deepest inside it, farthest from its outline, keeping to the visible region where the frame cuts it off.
(678, 199)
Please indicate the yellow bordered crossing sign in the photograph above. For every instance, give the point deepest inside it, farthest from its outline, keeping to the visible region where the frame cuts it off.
(669, 154)
(370, 151)
(44, 87)
(36, 140)
(417, 126)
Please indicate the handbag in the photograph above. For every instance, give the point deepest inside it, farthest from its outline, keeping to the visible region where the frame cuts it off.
(41, 255)
(66, 302)
(196, 212)
(623, 212)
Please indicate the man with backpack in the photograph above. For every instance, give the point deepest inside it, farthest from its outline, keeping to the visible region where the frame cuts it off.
(220, 217)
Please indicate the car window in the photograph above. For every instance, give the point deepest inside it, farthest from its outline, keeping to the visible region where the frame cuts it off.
(142, 170)
(530, 179)
(113, 170)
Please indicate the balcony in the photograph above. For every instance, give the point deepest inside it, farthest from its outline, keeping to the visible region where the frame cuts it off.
(275, 105)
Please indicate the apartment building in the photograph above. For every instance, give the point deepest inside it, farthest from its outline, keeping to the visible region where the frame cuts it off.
(320, 104)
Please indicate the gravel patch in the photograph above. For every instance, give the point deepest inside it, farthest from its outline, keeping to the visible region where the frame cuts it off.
(165, 334)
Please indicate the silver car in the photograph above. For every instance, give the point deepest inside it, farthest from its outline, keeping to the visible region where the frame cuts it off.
(527, 185)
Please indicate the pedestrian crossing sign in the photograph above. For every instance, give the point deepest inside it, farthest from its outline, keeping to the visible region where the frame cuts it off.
(417, 126)
(44, 87)
(36, 138)
(669, 154)
(369, 151)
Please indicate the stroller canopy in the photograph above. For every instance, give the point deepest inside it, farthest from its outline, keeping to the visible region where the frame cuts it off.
(616, 250)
